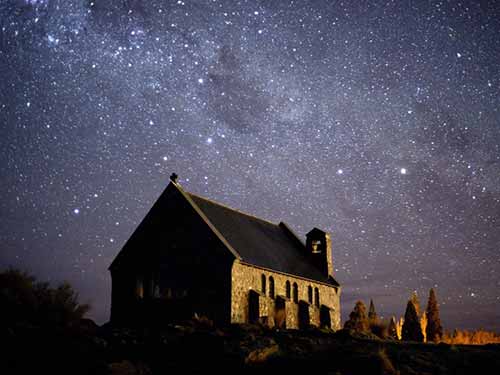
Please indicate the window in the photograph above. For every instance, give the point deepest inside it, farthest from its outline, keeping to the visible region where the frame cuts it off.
(149, 282)
(316, 297)
(288, 290)
(316, 247)
(310, 294)
(295, 293)
(271, 287)
(168, 293)
(263, 284)
(139, 287)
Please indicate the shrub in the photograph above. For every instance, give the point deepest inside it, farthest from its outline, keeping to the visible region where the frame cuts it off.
(479, 337)
(392, 330)
(25, 300)
(358, 320)
(379, 329)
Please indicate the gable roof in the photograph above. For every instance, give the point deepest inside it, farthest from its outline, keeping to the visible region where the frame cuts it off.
(259, 242)
(251, 240)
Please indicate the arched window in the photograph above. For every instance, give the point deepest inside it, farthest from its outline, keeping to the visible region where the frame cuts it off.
(310, 294)
(271, 287)
(139, 287)
(288, 290)
(263, 283)
(316, 297)
(295, 293)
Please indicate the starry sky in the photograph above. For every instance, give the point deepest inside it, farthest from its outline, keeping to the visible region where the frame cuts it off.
(377, 121)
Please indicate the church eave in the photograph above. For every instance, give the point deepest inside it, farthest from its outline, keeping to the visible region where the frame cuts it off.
(332, 283)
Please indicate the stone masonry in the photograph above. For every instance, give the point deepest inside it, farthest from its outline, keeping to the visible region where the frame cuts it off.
(247, 277)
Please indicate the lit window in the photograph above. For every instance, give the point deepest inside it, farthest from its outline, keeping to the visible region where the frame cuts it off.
(139, 288)
(316, 246)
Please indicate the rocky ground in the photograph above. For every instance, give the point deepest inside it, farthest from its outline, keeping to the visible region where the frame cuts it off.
(198, 347)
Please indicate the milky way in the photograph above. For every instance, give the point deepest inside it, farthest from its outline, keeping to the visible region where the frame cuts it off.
(376, 121)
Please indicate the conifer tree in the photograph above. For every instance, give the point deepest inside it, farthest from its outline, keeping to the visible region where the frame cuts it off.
(358, 320)
(372, 314)
(416, 303)
(434, 329)
(392, 330)
(411, 326)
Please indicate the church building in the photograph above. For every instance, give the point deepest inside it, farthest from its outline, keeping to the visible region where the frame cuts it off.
(191, 255)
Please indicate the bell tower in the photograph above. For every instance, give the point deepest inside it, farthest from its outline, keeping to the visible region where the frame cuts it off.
(319, 249)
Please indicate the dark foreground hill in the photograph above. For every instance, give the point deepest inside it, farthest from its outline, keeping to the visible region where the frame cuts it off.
(197, 348)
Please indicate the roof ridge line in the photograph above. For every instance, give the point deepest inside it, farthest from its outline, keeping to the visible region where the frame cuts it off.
(204, 217)
(233, 209)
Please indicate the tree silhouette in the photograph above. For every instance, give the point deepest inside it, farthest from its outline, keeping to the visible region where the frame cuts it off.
(377, 327)
(434, 329)
(25, 300)
(358, 320)
(392, 330)
(372, 314)
(414, 299)
(411, 326)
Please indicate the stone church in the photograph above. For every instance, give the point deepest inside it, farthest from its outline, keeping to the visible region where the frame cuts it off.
(191, 255)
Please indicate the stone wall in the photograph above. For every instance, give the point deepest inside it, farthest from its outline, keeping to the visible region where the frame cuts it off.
(245, 278)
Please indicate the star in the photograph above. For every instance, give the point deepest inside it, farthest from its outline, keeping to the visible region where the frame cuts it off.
(317, 113)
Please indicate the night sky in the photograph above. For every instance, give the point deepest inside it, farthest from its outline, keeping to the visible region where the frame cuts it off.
(378, 121)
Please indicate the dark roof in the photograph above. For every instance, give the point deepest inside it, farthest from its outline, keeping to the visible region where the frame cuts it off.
(259, 242)
(315, 231)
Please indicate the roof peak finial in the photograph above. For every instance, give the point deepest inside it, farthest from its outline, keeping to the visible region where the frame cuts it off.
(174, 177)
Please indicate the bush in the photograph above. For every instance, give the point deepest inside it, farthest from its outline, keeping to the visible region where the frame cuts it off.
(25, 300)
(379, 329)
(479, 337)
(392, 329)
(358, 321)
